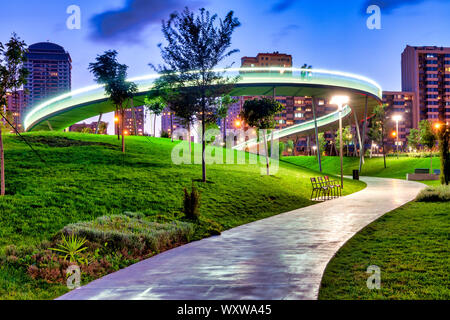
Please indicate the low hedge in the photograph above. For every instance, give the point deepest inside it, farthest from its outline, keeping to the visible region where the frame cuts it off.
(122, 231)
(434, 194)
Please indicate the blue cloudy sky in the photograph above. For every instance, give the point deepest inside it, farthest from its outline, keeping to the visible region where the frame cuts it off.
(329, 34)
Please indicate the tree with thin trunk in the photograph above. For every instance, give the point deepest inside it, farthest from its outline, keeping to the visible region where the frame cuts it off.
(198, 43)
(346, 138)
(322, 142)
(444, 144)
(13, 75)
(427, 138)
(110, 73)
(413, 139)
(260, 114)
(290, 146)
(224, 104)
(156, 105)
(378, 130)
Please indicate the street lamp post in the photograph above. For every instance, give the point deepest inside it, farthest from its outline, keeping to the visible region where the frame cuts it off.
(340, 101)
(397, 118)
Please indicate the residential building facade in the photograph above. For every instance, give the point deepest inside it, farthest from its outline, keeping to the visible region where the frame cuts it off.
(426, 72)
(50, 72)
(129, 121)
(15, 106)
(399, 104)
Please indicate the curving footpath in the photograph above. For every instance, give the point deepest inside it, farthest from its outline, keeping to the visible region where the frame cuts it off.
(281, 257)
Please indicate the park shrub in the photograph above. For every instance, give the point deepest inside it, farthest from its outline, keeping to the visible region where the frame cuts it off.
(434, 194)
(191, 203)
(124, 232)
(113, 242)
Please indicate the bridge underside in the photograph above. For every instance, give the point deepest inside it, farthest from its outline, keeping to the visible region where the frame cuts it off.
(61, 119)
(63, 111)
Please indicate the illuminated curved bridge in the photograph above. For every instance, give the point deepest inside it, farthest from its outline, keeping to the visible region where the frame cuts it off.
(65, 110)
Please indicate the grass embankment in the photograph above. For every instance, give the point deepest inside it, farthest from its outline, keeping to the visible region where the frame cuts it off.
(409, 244)
(396, 168)
(87, 176)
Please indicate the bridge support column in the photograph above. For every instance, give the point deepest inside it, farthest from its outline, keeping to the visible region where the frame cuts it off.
(358, 134)
(319, 157)
(361, 156)
(98, 122)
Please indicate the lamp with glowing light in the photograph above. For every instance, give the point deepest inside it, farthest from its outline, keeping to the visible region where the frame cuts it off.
(340, 101)
(397, 118)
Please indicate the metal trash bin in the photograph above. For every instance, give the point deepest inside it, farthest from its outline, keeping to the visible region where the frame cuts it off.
(355, 174)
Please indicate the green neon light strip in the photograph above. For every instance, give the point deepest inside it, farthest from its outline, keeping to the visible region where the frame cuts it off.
(250, 76)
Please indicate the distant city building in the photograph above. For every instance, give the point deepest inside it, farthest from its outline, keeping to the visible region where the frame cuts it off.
(426, 72)
(50, 72)
(296, 109)
(401, 104)
(80, 127)
(275, 59)
(129, 121)
(166, 122)
(15, 105)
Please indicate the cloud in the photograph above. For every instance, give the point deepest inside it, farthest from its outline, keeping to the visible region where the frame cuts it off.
(387, 6)
(284, 32)
(282, 5)
(128, 23)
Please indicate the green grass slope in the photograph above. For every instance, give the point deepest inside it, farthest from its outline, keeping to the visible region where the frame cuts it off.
(409, 245)
(396, 168)
(87, 176)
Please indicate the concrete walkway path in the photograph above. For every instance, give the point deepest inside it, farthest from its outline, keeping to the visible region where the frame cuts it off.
(281, 257)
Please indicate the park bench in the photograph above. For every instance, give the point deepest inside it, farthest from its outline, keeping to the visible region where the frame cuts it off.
(337, 188)
(421, 174)
(324, 189)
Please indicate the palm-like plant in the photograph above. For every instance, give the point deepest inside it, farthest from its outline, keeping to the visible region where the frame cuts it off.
(71, 247)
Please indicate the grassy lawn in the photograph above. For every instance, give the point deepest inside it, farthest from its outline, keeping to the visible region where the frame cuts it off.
(87, 176)
(396, 168)
(409, 244)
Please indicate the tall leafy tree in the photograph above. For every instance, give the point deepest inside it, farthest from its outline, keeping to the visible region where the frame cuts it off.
(427, 138)
(322, 142)
(198, 42)
(290, 146)
(444, 141)
(110, 73)
(155, 105)
(413, 139)
(346, 138)
(13, 75)
(260, 113)
(378, 128)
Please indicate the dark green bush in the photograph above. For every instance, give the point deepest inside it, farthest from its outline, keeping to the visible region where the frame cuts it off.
(165, 134)
(434, 194)
(191, 203)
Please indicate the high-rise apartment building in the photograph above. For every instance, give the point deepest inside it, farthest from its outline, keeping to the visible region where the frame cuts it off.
(129, 121)
(426, 72)
(50, 72)
(15, 106)
(399, 104)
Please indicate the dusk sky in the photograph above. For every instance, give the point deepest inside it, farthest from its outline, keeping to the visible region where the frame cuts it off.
(325, 34)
